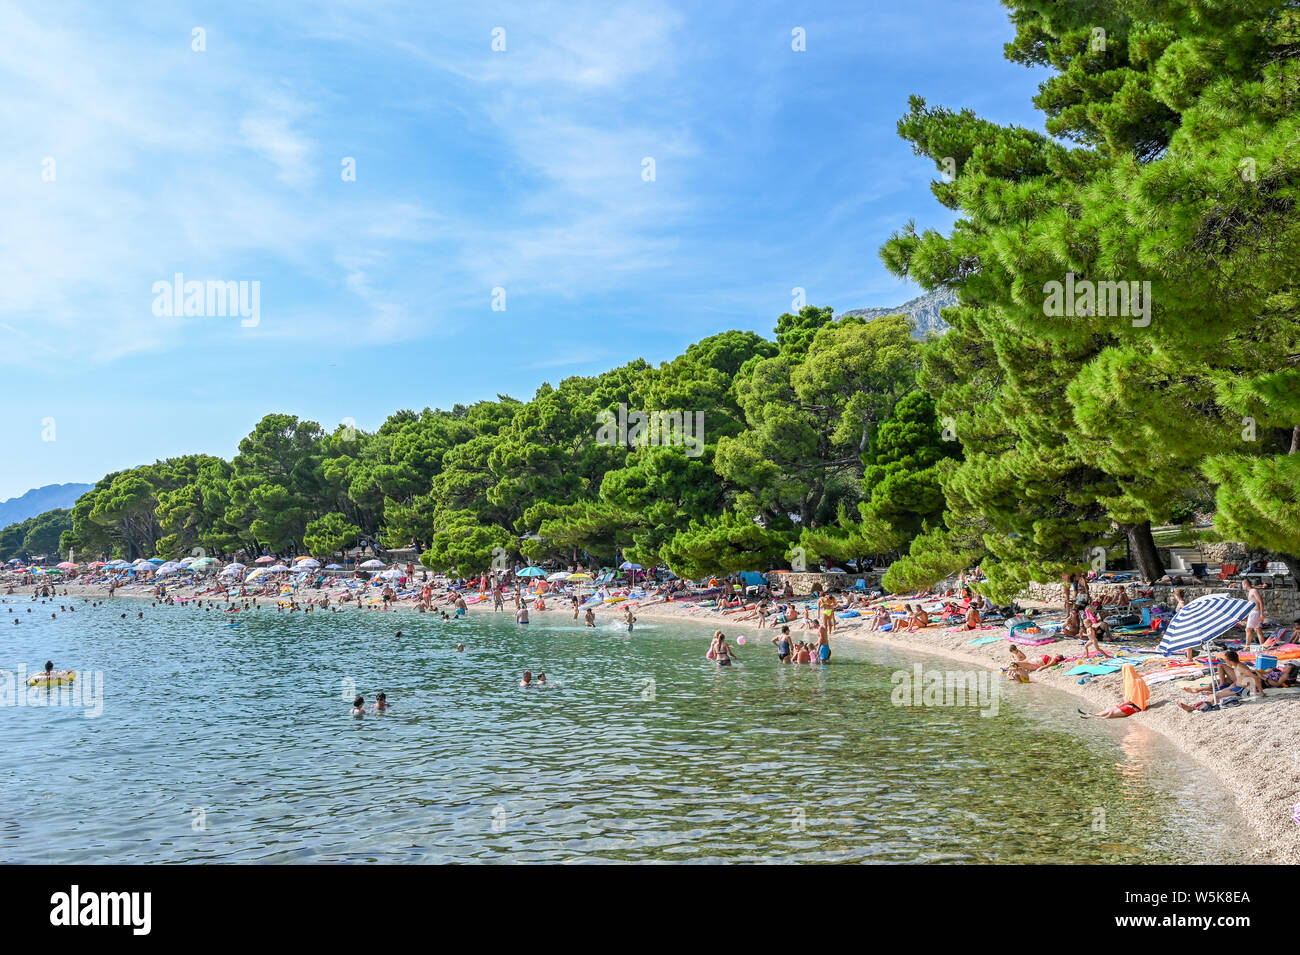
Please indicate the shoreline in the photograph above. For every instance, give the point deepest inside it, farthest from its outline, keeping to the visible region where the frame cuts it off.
(1233, 744)
(1249, 749)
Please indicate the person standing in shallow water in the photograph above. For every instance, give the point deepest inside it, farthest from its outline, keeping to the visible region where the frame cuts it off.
(823, 645)
(782, 643)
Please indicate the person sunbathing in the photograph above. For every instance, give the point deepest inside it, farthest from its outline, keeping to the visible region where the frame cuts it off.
(1280, 677)
(972, 618)
(1019, 659)
(1071, 626)
(1118, 711)
(881, 619)
(1231, 678)
(1136, 695)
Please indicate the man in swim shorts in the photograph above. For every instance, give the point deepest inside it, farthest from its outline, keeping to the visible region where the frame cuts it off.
(521, 615)
(823, 645)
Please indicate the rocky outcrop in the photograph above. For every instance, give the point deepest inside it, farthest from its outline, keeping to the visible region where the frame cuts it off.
(922, 310)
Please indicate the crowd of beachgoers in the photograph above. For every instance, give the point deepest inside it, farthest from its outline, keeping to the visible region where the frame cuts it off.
(1103, 646)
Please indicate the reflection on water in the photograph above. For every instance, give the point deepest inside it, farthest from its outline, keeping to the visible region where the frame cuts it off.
(233, 744)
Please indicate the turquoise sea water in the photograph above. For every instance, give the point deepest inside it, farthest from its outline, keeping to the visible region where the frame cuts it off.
(234, 744)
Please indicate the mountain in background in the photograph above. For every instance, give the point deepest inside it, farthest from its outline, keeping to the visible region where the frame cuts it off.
(922, 310)
(39, 500)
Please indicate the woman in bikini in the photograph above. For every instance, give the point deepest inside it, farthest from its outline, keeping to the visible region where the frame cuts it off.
(720, 650)
(1020, 660)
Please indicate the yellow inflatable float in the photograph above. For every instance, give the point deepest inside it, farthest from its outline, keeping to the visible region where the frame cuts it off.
(57, 678)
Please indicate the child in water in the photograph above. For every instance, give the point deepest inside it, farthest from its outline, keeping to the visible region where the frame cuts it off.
(628, 618)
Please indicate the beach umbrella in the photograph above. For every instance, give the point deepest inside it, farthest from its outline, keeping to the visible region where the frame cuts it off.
(232, 571)
(373, 565)
(96, 564)
(276, 569)
(201, 562)
(156, 560)
(560, 576)
(532, 572)
(67, 565)
(254, 575)
(578, 577)
(1202, 620)
(333, 567)
(628, 565)
(390, 574)
(265, 559)
(307, 563)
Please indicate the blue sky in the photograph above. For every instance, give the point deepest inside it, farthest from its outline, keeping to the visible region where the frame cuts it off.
(475, 169)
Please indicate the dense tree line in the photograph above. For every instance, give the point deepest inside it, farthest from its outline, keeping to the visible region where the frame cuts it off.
(1125, 352)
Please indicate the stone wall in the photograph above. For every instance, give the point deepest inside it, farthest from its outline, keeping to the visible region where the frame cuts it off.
(1281, 603)
(807, 583)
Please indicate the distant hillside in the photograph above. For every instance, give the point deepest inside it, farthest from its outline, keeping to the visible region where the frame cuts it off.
(922, 310)
(39, 500)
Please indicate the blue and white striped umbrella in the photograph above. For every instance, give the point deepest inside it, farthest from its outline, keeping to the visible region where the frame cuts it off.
(1206, 617)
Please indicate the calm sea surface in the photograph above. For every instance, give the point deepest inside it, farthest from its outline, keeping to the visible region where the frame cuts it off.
(225, 743)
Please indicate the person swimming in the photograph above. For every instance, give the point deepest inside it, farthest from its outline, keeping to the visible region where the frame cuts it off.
(590, 618)
(460, 648)
(381, 703)
(521, 615)
(359, 706)
(541, 679)
(528, 679)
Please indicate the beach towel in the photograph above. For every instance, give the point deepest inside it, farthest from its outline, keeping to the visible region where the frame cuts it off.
(1136, 690)
(1091, 669)
(982, 640)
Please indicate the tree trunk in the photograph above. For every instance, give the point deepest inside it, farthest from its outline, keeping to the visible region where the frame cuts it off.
(1142, 546)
